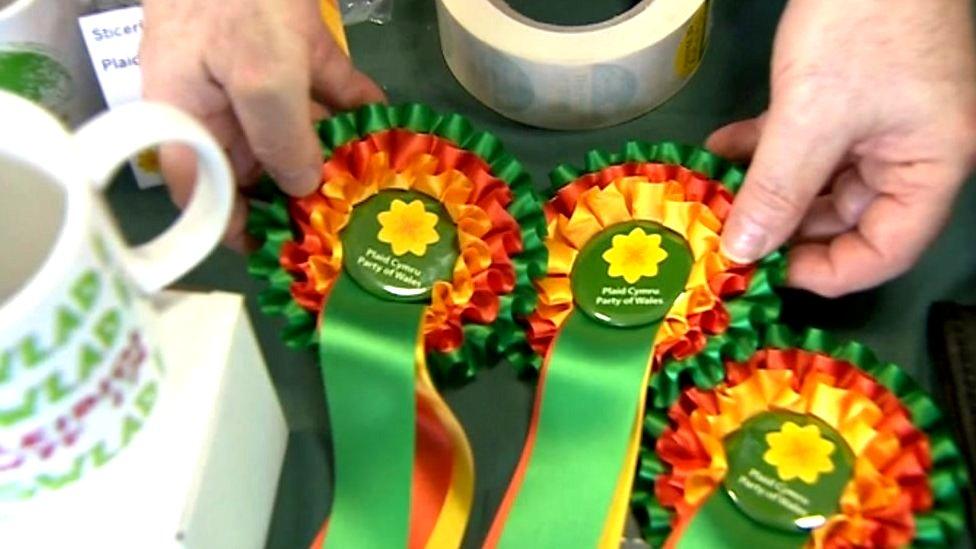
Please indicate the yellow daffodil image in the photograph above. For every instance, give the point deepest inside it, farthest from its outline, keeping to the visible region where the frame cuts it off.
(408, 227)
(148, 161)
(799, 452)
(635, 255)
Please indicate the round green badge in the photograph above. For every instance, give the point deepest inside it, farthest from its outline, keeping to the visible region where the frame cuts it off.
(629, 274)
(398, 244)
(787, 471)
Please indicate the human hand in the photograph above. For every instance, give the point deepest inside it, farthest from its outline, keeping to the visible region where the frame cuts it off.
(256, 73)
(874, 102)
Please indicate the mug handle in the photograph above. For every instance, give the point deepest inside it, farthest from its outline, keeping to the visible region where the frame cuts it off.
(105, 142)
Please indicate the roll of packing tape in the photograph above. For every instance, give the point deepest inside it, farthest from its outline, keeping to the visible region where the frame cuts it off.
(579, 77)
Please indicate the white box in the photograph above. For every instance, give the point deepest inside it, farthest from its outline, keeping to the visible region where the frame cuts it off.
(203, 473)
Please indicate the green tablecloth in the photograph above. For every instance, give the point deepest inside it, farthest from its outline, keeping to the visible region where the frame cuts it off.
(405, 58)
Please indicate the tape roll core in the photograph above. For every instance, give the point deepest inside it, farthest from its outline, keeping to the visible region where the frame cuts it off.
(573, 77)
(506, 7)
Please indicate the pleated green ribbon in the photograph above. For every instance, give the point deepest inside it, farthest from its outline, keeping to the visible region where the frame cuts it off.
(366, 351)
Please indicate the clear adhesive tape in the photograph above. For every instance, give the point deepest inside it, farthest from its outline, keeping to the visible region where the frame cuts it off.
(579, 77)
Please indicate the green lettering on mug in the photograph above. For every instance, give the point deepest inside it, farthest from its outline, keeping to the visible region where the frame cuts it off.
(101, 456)
(26, 409)
(130, 426)
(158, 361)
(89, 359)
(101, 251)
(57, 481)
(64, 325)
(13, 491)
(85, 290)
(107, 328)
(147, 398)
(122, 291)
(6, 365)
(30, 354)
(55, 388)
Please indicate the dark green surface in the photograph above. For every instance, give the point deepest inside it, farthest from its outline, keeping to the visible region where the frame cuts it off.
(731, 84)
(571, 12)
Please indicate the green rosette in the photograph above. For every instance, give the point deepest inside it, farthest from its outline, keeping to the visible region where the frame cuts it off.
(941, 525)
(599, 350)
(412, 266)
(757, 306)
(483, 344)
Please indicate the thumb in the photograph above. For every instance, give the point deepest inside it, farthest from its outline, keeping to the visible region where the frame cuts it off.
(799, 149)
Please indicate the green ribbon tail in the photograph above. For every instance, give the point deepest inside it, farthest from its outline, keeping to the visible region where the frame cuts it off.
(590, 400)
(366, 351)
(719, 521)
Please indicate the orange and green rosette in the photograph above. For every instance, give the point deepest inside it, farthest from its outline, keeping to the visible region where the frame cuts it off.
(806, 443)
(411, 265)
(636, 301)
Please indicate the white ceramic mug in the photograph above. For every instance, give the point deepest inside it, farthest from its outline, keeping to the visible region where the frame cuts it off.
(78, 368)
(43, 57)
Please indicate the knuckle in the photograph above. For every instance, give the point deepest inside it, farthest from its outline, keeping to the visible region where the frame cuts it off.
(829, 288)
(775, 199)
(258, 81)
(252, 82)
(811, 95)
(898, 263)
(269, 152)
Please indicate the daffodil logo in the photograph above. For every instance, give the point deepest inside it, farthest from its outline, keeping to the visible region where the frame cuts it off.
(408, 228)
(799, 452)
(148, 161)
(635, 255)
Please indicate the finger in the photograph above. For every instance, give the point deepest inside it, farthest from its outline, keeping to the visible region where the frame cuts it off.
(187, 87)
(797, 152)
(336, 82)
(243, 161)
(236, 236)
(839, 211)
(179, 167)
(736, 141)
(890, 237)
(319, 112)
(274, 108)
(821, 223)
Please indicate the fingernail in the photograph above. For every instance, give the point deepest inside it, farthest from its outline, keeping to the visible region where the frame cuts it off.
(744, 242)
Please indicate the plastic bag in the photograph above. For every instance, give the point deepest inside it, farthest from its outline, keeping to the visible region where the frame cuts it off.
(359, 11)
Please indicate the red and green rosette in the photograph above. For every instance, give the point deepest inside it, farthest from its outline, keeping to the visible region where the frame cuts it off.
(413, 262)
(636, 300)
(808, 442)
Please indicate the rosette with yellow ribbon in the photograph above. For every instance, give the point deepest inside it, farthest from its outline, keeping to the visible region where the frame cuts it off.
(635, 284)
(807, 443)
(412, 262)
